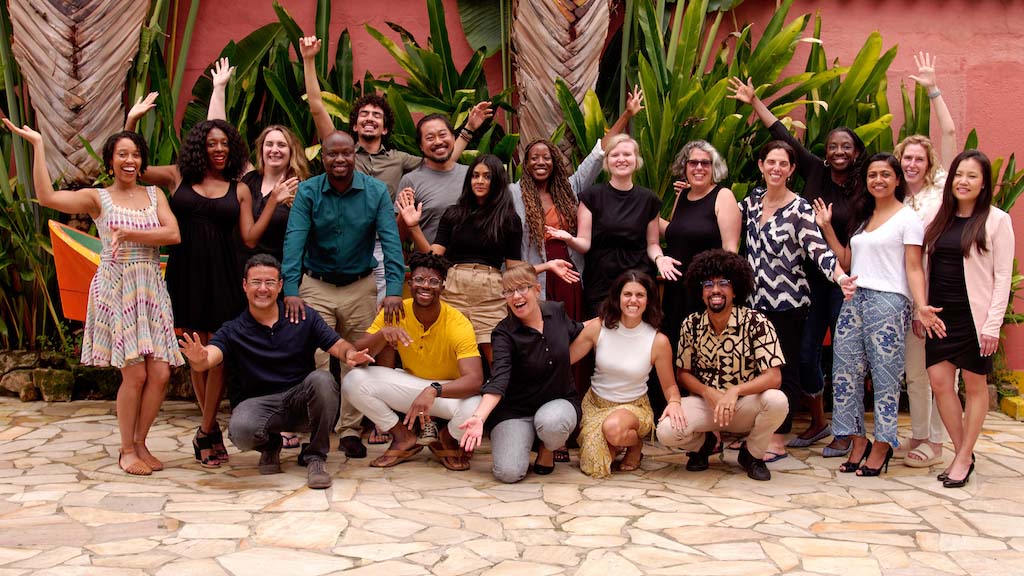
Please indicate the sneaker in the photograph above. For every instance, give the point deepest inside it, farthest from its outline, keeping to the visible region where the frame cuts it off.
(698, 461)
(270, 456)
(428, 433)
(755, 467)
(316, 474)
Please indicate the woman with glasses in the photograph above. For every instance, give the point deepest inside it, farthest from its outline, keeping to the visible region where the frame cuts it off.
(704, 217)
(530, 393)
(478, 235)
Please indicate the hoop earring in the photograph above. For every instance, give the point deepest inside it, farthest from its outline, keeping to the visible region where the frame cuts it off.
(825, 162)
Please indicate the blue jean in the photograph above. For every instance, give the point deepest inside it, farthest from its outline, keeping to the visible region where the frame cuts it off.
(826, 301)
(512, 439)
(870, 334)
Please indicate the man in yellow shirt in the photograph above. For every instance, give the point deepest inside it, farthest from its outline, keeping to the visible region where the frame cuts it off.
(442, 371)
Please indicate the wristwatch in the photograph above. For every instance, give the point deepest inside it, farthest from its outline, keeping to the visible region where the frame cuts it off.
(437, 388)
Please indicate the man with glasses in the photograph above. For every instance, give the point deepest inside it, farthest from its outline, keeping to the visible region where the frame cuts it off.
(328, 247)
(728, 359)
(277, 386)
(441, 376)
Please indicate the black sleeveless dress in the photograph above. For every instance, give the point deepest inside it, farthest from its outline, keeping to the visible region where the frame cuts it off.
(203, 276)
(693, 229)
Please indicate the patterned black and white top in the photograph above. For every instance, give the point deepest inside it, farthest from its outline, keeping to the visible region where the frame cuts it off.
(777, 249)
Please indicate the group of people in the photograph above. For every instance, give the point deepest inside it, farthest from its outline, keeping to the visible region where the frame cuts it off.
(534, 313)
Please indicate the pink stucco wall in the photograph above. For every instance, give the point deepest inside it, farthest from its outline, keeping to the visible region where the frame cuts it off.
(979, 45)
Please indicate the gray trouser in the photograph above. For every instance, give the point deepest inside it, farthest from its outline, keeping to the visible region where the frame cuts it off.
(511, 440)
(311, 406)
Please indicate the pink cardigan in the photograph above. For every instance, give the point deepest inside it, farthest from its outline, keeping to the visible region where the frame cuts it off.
(988, 274)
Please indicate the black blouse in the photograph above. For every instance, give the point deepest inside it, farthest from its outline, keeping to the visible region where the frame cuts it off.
(466, 243)
(531, 369)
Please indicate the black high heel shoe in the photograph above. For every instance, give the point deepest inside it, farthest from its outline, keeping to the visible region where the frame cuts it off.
(950, 483)
(203, 442)
(943, 476)
(851, 466)
(217, 439)
(867, 471)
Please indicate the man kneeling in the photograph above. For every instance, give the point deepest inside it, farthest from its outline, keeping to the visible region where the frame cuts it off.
(728, 359)
(278, 386)
(442, 371)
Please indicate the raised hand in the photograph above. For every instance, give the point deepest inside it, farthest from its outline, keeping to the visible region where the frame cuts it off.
(284, 191)
(635, 101)
(478, 115)
(925, 70)
(740, 91)
(221, 72)
(408, 209)
(141, 107)
(822, 213)
(29, 135)
(193, 349)
(680, 186)
(309, 47)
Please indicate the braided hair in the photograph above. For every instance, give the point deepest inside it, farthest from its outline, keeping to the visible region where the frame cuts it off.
(558, 187)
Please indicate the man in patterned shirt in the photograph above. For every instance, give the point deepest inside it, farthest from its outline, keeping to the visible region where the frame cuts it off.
(728, 359)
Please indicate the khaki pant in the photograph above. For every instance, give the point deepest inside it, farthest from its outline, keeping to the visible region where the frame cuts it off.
(475, 290)
(925, 423)
(757, 416)
(349, 311)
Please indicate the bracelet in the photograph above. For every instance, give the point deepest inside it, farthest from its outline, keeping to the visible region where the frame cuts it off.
(465, 134)
(658, 256)
(934, 94)
(842, 278)
(676, 402)
(475, 416)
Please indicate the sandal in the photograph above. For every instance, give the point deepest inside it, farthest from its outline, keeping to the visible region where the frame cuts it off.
(154, 464)
(202, 444)
(140, 468)
(396, 457)
(290, 440)
(455, 460)
(562, 455)
(622, 466)
(217, 440)
(377, 437)
(800, 442)
(925, 456)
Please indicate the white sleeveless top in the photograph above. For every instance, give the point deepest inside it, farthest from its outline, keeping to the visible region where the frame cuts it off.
(623, 362)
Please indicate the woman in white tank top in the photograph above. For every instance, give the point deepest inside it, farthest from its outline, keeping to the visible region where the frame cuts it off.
(616, 411)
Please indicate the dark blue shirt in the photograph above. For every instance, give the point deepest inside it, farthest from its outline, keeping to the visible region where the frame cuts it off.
(271, 359)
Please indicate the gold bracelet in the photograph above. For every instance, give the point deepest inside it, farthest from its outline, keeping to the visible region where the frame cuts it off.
(680, 402)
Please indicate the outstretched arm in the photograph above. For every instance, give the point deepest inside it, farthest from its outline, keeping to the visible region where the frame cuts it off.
(221, 74)
(477, 116)
(309, 46)
(164, 176)
(745, 93)
(581, 241)
(926, 77)
(634, 104)
(68, 201)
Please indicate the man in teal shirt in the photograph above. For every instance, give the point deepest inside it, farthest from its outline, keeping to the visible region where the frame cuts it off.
(328, 257)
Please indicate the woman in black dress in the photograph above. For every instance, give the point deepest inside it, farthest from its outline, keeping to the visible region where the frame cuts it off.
(834, 181)
(970, 246)
(704, 217)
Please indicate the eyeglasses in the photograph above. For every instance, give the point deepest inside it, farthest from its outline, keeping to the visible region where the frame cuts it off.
(722, 283)
(424, 281)
(520, 290)
(263, 283)
(700, 163)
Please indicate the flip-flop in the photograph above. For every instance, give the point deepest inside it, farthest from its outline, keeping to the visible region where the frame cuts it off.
(799, 442)
(618, 466)
(289, 440)
(926, 457)
(455, 460)
(377, 437)
(398, 455)
(562, 455)
(774, 456)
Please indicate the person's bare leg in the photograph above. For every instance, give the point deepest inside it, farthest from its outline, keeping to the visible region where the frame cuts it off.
(941, 376)
(401, 439)
(129, 396)
(976, 392)
(620, 431)
(777, 445)
(153, 392)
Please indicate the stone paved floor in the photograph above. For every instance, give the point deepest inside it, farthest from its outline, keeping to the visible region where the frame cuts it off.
(66, 509)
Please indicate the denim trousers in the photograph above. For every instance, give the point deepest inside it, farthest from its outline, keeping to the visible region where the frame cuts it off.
(511, 440)
(870, 335)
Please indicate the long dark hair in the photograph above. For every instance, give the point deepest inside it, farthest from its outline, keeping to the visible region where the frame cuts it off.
(863, 204)
(497, 211)
(193, 162)
(611, 308)
(974, 231)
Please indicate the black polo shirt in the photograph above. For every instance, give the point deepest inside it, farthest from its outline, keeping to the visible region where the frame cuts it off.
(531, 369)
(271, 359)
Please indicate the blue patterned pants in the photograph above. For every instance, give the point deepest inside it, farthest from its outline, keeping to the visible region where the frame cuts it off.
(870, 334)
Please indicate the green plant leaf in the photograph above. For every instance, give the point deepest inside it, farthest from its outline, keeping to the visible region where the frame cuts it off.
(482, 23)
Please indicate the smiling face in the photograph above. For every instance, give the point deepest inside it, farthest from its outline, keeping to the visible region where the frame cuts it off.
(840, 151)
(699, 169)
(426, 285)
(776, 168)
(276, 151)
(633, 302)
(622, 159)
(126, 161)
(523, 299)
(370, 122)
(539, 162)
(217, 149)
(968, 181)
(436, 141)
(339, 154)
(717, 294)
(481, 182)
(914, 162)
(881, 180)
(262, 284)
